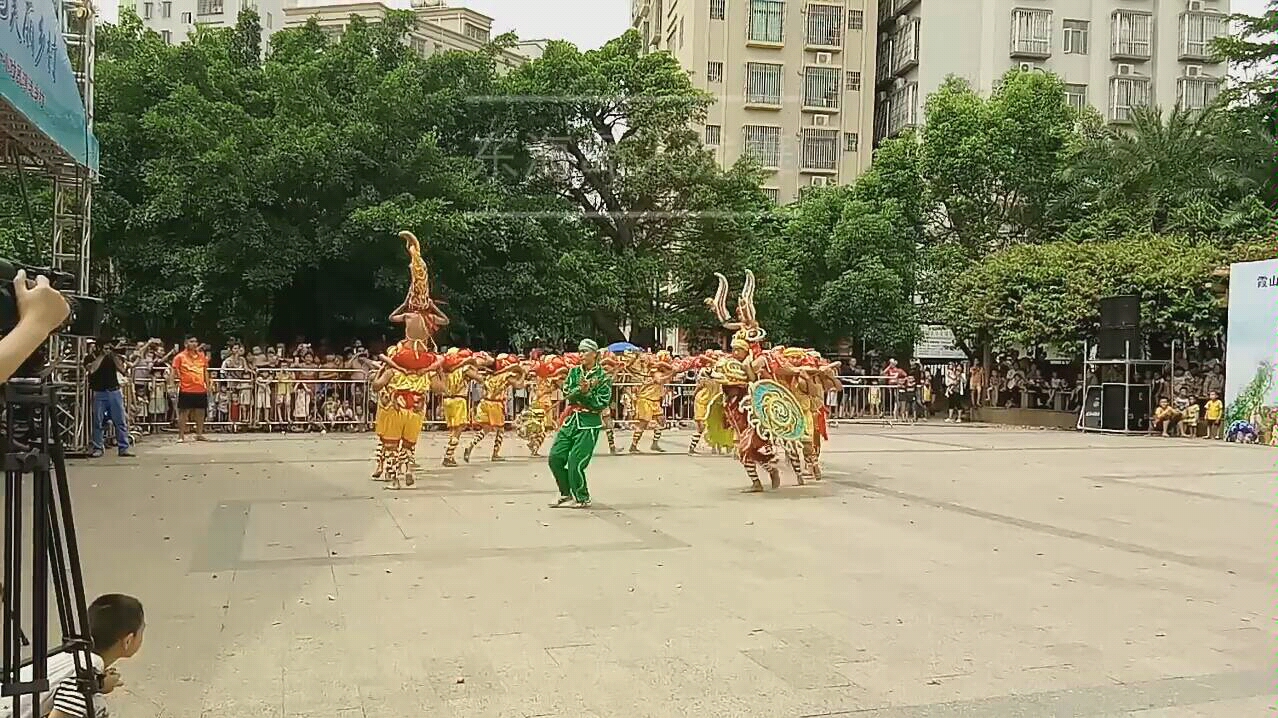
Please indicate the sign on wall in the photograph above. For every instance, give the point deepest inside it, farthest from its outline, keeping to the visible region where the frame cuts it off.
(1251, 356)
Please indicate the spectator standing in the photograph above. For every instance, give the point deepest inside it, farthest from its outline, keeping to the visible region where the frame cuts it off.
(1214, 410)
(104, 366)
(191, 371)
(954, 392)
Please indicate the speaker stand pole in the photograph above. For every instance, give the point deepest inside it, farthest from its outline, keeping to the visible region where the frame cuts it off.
(1126, 387)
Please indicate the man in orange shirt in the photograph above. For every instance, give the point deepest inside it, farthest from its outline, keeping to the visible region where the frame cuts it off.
(191, 367)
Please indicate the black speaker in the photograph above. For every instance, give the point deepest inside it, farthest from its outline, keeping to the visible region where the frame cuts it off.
(1092, 402)
(1122, 343)
(1120, 312)
(1124, 407)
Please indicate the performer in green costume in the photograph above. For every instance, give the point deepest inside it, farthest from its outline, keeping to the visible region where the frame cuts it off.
(587, 392)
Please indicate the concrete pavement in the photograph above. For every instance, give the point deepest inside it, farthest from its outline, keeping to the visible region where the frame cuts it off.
(939, 571)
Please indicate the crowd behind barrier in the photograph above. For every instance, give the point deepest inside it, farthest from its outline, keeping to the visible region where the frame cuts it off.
(304, 400)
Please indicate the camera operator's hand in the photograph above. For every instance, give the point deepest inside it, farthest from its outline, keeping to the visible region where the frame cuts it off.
(39, 303)
(40, 310)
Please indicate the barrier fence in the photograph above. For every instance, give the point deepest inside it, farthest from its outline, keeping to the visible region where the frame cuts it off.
(322, 399)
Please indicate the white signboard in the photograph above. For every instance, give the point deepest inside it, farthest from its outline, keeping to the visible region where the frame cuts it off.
(937, 342)
(1251, 347)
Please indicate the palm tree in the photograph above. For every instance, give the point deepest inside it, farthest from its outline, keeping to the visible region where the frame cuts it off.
(1161, 162)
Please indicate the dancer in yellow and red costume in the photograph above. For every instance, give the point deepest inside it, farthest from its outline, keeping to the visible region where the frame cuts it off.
(452, 383)
(505, 372)
(541, 418)
(404, 380)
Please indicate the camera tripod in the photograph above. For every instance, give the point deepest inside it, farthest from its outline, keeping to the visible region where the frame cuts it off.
(33, 447)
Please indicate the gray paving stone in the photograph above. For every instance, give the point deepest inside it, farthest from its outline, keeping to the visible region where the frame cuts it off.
(939, 571)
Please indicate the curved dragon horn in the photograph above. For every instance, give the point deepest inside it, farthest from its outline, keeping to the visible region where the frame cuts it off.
(719, 303)
(746, 302)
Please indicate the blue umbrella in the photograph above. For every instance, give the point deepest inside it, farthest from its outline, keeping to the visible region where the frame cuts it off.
(619, 347)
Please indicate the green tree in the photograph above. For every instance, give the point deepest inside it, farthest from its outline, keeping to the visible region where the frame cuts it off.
(613, 131)
(1253, 52)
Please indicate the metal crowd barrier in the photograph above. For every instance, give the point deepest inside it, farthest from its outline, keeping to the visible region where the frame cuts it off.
(324, 399)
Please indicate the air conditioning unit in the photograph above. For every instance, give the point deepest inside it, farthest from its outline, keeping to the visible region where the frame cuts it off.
(1027, 67)
(1194, 71)
(1126, 69)
(823, 58)
(821, 120)
(820, 181)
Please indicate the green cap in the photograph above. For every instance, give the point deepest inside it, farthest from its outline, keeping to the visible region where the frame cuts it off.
(587, 345)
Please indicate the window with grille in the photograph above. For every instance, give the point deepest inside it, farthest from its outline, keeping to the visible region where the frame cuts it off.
(773, 194)
(904, 48)
(167, 37)
(714, 72)
(714, 135)
(825, 25)
(1077, 37)
(1076, 96)
(820, 149)
(418, 46)
(187, 18)
(853, 81)
(718, 8)
(767, 21)
(856, 19)
(1197, 93)
(166, 9)
(1198, 30)
(147, 10)
(476, 33)
(1126, 94)
(821, 87)
(903, 109)
(883, 59)
(1031, 32)
(763, 143)
(1132, 34)
(851, 142)
(763, 83)
(208, 7)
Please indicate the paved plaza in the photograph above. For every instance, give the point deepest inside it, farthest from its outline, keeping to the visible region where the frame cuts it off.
(940, 571)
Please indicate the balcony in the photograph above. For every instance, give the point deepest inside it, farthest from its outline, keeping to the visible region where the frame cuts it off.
(1197, 32)
(1131, 36)
(1126, 93)
(1031, 35)
(905, 48)
(1197, 93)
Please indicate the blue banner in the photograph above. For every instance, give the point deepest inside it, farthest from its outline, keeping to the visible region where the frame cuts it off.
(37, 80)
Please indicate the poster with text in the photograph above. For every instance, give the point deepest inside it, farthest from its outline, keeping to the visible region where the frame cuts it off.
(1251, 342)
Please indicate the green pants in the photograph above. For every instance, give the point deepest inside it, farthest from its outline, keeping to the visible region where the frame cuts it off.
(571, 453)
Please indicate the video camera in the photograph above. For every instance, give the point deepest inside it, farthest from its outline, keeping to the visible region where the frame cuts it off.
(86, 312)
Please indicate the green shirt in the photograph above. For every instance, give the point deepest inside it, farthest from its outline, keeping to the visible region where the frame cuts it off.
(590, 402)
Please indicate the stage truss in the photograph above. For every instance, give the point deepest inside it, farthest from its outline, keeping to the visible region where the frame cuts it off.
(28, 150)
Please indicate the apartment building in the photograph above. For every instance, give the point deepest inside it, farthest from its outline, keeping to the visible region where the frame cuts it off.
(1113, 55)
(175, 20)
(439, 28)
(791, 79)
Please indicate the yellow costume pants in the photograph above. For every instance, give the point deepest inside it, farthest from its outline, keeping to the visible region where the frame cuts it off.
(491, 413)
(395, 424)
(456, 413)
(647, 409)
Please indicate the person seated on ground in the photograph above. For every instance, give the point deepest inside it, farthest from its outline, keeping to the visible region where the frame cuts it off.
(1189, 419)
(1165, 417)
(116, 627)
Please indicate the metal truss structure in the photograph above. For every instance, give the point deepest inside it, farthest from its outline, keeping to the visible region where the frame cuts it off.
(23, 148)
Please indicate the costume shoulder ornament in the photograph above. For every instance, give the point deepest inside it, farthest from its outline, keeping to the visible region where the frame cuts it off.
(775, 412)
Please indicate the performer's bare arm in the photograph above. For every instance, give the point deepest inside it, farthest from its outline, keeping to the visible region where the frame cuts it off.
(383, 378)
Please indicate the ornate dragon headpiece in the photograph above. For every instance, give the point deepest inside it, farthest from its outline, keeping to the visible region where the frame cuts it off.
(746, 326)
